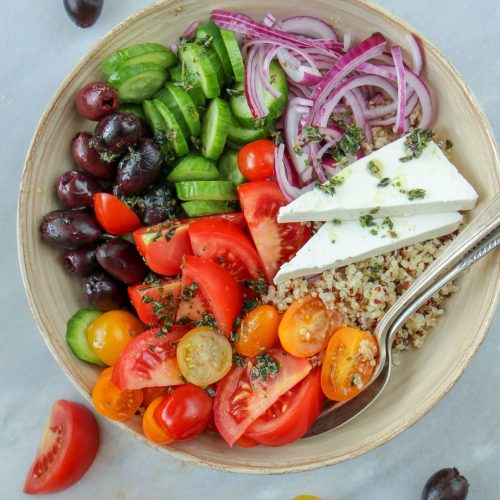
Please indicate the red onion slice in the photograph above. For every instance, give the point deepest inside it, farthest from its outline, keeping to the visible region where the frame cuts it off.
(297, 72)
(400, 125)
(416, 53)
(309, 26)
(281, 171)
(189, 31)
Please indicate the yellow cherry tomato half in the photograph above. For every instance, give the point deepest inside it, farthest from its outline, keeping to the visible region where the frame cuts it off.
(307, 326)
(258, 331)
(349, 363)
(204, 356)
(111, 332)
(152, 430)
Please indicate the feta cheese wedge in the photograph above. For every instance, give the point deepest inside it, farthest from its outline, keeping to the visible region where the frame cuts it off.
(339, 244)
(381, 182)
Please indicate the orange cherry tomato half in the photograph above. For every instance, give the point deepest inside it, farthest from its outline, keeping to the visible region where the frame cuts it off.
(112, 403)
(349, 362)
(258, 331)
(307, 326)
(256, 160)
(114, 215)
(152, 430)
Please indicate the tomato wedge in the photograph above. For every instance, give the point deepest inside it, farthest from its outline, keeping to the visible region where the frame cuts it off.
(292, 415)
(207, 286)
(349, 362)
(150, 360)
(67, 450)
(114, 215)
(276, 243)
(224, 242)
(156, 303)
(247, 392)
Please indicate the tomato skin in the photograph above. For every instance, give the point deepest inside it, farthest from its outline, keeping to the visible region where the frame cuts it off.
(344, 360)
(246, 442)
(184, 413)
(241, 399)
(152, 430)
(147, 298)
(114, 215)
(149, 394)
(256, 160)
(110, 333)
(258, 331)
(307, 326)
(222, 241)
(75, 428)
(276, 243)
(302, 406)
(150, 360)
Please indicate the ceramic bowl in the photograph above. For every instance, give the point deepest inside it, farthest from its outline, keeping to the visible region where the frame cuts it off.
(424, 376)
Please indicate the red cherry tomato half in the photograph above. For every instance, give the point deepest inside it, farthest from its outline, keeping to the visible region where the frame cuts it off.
(184, 413)
(256, 160)
(114, 215)
(67, 450)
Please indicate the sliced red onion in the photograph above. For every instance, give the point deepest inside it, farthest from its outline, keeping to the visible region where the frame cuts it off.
(253, 84)
(313, 149)
(189, 31)
(347, 41)
(416, 53)
(269, 20)
(312, 27)
(399, 127)
(289, 191)
(174, 48)
(301, 52)
(410, 106)
(372, 69)
(297, 72)
(264, 71)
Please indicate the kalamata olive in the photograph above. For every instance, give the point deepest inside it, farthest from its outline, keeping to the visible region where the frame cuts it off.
(116, 132)
(89, 160)
(69, 228)
(104, 292)
(76, 189)
(81, 262)
(96, 100)
(446, 484)
(121, 259)
(139, 169)
(84, 13)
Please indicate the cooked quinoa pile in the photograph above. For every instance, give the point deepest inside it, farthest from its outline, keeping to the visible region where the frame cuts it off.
(364, 291)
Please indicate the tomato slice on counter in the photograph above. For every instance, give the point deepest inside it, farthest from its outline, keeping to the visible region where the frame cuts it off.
(246, 392)
(222, 241)
(207, 288)
(307, 326)
(150, 360)
(156, 302)
(114, 215)
(348, 364)
(276, 243)
(67, 450)
(113, 403)
(151, 428)
(292, 415)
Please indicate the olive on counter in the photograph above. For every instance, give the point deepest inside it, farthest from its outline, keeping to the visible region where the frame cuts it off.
(77, 189)
(80, 262)
(84, 13)
(104, 292)
(69, 228)
(117, 132)
(446, 484)
(96, 100)
(88, 159)
(121, 260)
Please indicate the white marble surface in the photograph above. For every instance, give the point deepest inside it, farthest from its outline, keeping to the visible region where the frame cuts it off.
(39, 45)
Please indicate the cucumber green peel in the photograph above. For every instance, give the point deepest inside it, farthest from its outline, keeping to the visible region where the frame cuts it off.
(76, 335)
(206, 207)
(206, 190)
(193, 168)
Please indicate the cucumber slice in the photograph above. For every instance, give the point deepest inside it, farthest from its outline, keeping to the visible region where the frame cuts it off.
(174, 133)
(157, 124)
(187, 108)
(228, 168)
(166, 97)
(240, 135)
(206, 190)
(141, 53)
(276, 106)
(234, 54)
(205, 207)
(136, 109)
(138, 82)
(194, 168)
(195, 59)
(76, 335)
(211, 33)
(215, 127)
(190, 82)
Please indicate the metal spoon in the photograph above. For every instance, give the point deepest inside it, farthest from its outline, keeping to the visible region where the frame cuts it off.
(480, 237)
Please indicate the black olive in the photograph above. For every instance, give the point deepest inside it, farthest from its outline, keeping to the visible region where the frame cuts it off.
(446, 484)
(84, 13)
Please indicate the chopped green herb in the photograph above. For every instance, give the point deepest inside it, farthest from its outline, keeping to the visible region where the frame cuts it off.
(384, 182)
(220, 260)
(157, 236)
(152, 279)
(374, 167)
(392, 234)
(337, 222)
(170, 233)
(348, 145)
(414, 194)
(234, 337)
(210, 391)
(416, 142)
(328, 187)
(235, 92)
(388, 222)
(311, 134)
(375, 210)
(298, 150)
(277, 137)
(248, 305)
(108, 157)
(206, 320)
(340, 118)
(147, 299)
(259, 285)
(366, 221)
(188, 291)
(374, 232)
(265, 366)
(196, 142)
(238, 360)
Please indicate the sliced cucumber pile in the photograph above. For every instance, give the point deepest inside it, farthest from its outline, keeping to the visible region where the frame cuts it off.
(228, 168)
(76, 335)
(241, 135)
(207, 207)
(194, 168)
(190, 82)
(136, 109)
(206, 190)
(216, 123)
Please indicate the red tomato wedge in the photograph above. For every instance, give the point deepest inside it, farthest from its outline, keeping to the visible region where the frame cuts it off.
(276, 243)
(157, 302)
(292, 415)
(150, 360)
(67, 450)
(241, 397)
(114, 215)
(208, 287)
(224, 242)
